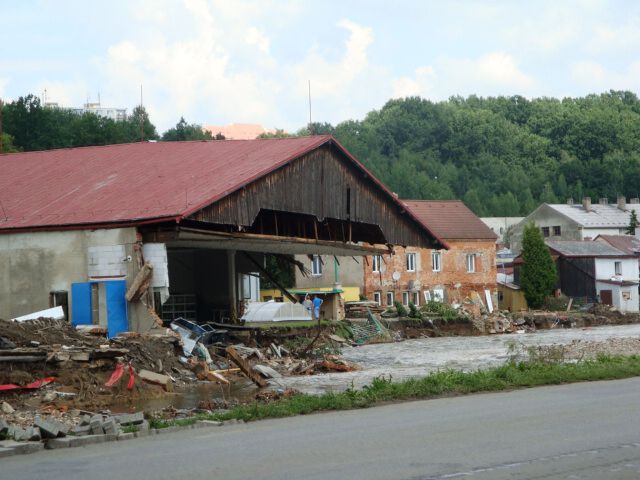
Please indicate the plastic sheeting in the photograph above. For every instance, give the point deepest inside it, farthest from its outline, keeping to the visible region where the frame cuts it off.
(276, 312)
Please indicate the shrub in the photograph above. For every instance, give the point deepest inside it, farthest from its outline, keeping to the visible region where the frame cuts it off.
(402, 312)
(444, 310)
(413, 311)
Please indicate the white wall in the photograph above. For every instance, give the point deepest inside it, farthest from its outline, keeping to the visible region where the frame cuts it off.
(605, 268)
(631, 305)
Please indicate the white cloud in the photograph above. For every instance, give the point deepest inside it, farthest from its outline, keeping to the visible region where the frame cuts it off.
(495, 73)
(594, 77)
(259, 39)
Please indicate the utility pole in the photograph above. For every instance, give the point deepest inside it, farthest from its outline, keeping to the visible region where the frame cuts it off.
(141, 116)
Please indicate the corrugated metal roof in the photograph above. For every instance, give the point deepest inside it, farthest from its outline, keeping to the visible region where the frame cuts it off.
(626, 243)
(144, 182)
(599, 216)
(584, 248)
(450, 219)
(133, 182)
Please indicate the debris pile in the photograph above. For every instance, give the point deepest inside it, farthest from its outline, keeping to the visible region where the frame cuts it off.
(359, 309)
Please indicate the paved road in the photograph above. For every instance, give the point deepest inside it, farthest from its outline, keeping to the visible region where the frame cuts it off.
(580, 431)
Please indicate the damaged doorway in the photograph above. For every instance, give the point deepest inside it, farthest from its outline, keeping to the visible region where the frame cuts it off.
(100, 303)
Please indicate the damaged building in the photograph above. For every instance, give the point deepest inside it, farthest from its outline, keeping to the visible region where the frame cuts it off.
(77, 226)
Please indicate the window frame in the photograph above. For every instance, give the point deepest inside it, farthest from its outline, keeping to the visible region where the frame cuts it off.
(436, 255)
(546, 233)
(557, 230)
(376, 263)
(617, 267)
(316, 271)
(412, 267)
(405, 298)
(415, 297)
(471, 263)
(377, 297)
(393, 298)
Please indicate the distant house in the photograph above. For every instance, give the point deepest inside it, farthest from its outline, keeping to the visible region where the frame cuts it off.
(577, 221)
(238, 131)
(417, 275)
(501, 226)
(595, 271)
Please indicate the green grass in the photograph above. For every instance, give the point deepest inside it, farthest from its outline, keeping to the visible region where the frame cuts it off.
(512, 375)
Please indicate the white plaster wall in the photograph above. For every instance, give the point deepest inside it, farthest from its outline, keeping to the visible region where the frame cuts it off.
(36, 263)
(605, 268)
(631, 305)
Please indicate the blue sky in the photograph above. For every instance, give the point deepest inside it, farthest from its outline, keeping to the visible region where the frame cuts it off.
(217, 62)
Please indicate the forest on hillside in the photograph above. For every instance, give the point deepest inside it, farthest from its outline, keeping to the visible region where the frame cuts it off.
(504, 155)
(501, 155)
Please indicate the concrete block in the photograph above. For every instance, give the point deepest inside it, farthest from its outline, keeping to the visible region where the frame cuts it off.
(55, 443)
(20, 434)
(155, 378)
(22, 447)
(50, 428)
(87, 440)
(130, 418)
(81, 430)
(110, 426)
(207, 423)
(126, 436)
(34, 434)
(7, 452)
(85, 420)
(96, 425)
(110, 437)
(4, 426)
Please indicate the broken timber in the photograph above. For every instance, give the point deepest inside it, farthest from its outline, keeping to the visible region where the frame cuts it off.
(246, 367)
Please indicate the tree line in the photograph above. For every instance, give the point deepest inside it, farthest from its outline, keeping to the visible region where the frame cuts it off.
(502, 156)
(27, 125)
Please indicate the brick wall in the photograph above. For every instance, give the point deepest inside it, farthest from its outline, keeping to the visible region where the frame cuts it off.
(453, 277)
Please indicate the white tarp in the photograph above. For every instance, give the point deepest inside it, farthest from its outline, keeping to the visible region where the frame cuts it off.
(57, 313)
(276, 312)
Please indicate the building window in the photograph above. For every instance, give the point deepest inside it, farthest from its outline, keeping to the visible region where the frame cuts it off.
(427, 296)
(545, 231)
(436, 261)
(411, 262)
(471, 262)
(390, 299)
(377, 261)
(557, 231)
(316, 266)
(618, 268)
(376, 297)
(416, 298)
(405, 299)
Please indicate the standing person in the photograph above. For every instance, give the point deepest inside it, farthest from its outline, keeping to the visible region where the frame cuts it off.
(317, 301)
(308, 305)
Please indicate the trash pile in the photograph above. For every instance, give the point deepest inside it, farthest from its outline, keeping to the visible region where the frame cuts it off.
(359, 309)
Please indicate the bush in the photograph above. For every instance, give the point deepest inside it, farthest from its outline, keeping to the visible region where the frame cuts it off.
(402, 312)
(413, 311)
(444, 310)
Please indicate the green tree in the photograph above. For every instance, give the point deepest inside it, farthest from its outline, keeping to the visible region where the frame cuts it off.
(185, 131)
(538, 274)
(633, 224)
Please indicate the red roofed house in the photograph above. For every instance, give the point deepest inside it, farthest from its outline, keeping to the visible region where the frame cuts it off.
(416, 274)
(77, 225)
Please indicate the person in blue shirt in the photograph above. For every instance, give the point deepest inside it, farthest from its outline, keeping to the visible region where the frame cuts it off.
(317, 301)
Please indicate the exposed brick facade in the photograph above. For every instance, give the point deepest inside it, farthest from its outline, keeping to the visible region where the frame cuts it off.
(453, 279)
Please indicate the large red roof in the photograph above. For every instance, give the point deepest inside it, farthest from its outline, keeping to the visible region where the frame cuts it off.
(141, 182)
(133, 182)
(450, 219)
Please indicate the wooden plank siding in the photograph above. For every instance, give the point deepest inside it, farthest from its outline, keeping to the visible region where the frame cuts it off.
(577, 276)
(316, 184)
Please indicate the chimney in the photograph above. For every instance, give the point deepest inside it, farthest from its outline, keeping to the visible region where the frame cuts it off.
(569, 201)
(603, 201)
(586, 203)
(622, 203)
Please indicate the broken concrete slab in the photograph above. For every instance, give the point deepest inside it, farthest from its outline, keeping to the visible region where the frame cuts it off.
(267, 372)
(110, 426)
(21, 447)
(4, 426)
(7, 452)
(80, 430)
(130, 418)
(96, 425)
(155, 378)
(55, 443)
(126, 436)
(50, 428)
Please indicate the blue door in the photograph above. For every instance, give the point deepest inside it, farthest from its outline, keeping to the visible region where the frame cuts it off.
(81, 303)
(116, 307)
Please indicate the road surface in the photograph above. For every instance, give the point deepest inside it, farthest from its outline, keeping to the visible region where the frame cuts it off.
(579, 431)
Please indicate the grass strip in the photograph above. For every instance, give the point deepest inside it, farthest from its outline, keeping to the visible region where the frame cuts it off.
(512, 375)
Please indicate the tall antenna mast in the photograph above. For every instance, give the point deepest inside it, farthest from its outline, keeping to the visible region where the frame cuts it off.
(141, 117)
(310, 128)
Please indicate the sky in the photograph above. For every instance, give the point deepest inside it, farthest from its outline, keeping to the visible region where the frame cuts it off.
(217, 62)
